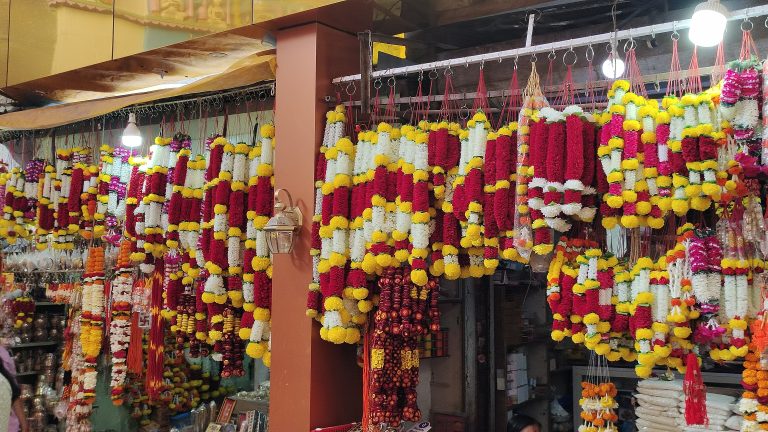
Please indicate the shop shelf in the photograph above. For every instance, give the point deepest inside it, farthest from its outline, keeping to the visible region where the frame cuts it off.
(49, 303)
(342, 428)
(35, 344)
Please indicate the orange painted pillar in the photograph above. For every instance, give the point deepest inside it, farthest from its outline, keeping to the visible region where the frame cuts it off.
(313, 383)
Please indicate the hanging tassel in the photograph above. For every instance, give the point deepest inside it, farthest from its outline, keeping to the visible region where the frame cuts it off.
(695, 393)
(135, 349)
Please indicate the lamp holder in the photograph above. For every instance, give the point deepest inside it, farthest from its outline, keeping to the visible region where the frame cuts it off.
(294, 213)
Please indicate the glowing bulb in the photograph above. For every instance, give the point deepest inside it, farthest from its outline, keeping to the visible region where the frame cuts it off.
(613, 66)
(708, 23)
(131, 135)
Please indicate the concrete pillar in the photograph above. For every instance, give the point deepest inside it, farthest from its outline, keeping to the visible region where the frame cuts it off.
(314, 383)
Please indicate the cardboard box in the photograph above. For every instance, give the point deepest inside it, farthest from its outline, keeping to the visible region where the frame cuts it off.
(517, 395)
(517, 378)
(517, 361)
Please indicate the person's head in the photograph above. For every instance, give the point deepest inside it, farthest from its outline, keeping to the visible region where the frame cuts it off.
(523, 423)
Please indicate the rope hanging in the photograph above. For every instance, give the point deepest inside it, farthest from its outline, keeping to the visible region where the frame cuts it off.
(448, 107)
(634, 76)
(511, 103)
(590, 88)
(694, 79)
(481, 94)
(748, 46)
(718, 70)
(567, 94)
(675, 81)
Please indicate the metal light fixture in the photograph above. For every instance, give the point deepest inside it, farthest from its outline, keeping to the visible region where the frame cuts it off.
(708, 23)
(131, 135)
(283, 226)
(613, 67)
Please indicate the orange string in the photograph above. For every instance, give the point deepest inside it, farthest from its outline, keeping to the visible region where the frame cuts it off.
(135, 361)
(718, 70)
(694, 79)
(674, 83)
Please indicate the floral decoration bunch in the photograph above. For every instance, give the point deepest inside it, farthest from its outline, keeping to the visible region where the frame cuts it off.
(214, 221)
(406, 312)
(257, 261)
(598, 407)
(92, 319)
(120, 323)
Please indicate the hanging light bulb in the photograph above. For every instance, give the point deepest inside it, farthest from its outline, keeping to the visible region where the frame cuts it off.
(131, 135)
(613, 66)
(708, 23)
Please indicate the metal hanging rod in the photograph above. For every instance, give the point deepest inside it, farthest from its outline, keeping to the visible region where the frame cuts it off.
(260, 92)
(667, 27)
(651, 79)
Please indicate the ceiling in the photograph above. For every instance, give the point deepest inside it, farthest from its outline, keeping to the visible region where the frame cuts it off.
(435, 28)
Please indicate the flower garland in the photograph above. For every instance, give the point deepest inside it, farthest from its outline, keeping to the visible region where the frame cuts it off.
(598, 405)
(45, 210)
(735, 297)
(664, 166)
(404, 200)
(314, 296)
(648, 200)
(504, 198)
(120, 324)
(157, 182)
(490, 228)
(420, 217)
(538, 143)
(681, 311)
(557, 274)
(641, 319)
(237, 221)
(706, 256)
(260, 199)
(660, 290)
(472, 183)
(356, 284)
(554, 161)
(80, 404)
(134, 220)
(632, 169)
(13, 211)
(214, 220)
(449, 149)
(680, 200)
(575, 148)
(92, 319)
(533, 101)
(173, 285)
(336, 318)
(739, 103)
(22, 309)
(382, 200)
(754, 400)
(189, 236)
(610, 152)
